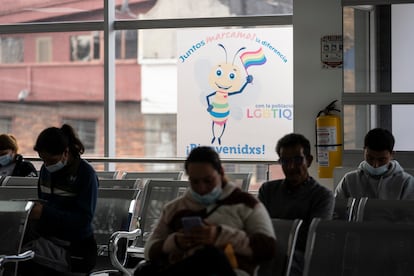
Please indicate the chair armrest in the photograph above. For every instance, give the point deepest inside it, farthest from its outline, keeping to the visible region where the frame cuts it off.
(27, 255)
(113, 247)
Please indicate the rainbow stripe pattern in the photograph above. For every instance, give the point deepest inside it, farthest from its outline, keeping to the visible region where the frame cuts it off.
(253, 58)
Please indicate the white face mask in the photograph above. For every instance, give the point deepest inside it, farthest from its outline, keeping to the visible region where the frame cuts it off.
(6, 159)
(209, 198)
(55, 167)
(375, 171)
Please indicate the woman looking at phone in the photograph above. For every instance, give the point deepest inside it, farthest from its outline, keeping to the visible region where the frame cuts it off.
(212, 217)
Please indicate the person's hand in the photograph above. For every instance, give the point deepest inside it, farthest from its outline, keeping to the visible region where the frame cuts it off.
(36, 211)
(203, 235)
(183, 241)
(200, 235)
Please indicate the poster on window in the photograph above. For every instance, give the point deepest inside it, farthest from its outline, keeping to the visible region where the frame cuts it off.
(235, 90)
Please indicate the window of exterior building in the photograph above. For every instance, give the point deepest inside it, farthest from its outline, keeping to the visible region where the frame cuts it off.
(126, 44)
(44, 49)
(11, 49)
(86, 130)
(5, 125)
(84, 47)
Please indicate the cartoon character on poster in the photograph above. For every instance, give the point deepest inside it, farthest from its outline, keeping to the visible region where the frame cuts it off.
(227, 80)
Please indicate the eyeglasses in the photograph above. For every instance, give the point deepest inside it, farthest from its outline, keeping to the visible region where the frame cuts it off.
(296, 160)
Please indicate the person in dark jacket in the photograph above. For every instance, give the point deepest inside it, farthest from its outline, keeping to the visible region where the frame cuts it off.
(298, 196)
(67, 189)
(11, 162)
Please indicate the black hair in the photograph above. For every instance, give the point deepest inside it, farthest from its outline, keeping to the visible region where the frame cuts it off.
(293, 139)
(379, 139)
(204, 154)
(55, 140)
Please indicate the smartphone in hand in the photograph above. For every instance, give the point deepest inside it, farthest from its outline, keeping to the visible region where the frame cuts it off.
(190, 222)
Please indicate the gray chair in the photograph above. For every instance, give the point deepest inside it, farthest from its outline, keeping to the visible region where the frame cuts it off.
(107, 174)
(119, 183)
(344, 209)
(112, 215)
(338, 247)
(20, 181)
(240, 179)
(156, 193)
(172, 175)
(18, 192)
(286, 235)
(13, 218)
(395, 211)
(5, 259)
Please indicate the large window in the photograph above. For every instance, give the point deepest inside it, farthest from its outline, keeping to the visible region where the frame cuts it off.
(74, 62)
(378, 86)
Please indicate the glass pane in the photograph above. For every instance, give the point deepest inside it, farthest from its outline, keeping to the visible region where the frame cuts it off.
(356, 50)
(201, 8)
(402, 40)
(377, 48)
(401, 127)
(147, 119)
(43, 11)
(359, 119)
(47, 86)
(356, 124)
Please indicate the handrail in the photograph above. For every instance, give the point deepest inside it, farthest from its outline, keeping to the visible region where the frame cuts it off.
(171, 160)
(159, 160)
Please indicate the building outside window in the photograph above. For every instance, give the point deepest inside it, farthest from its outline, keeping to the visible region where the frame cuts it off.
(5, 125)
(11, 49)
(63, 69)
(86, 130)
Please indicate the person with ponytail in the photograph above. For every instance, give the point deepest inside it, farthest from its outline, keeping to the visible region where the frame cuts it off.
(67, 191)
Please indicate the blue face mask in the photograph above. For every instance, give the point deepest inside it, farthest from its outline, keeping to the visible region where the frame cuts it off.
(209, 198)
(6, 159)
(55, 167)
(375, 171)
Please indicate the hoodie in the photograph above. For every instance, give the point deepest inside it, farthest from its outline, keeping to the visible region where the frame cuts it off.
(393, 184)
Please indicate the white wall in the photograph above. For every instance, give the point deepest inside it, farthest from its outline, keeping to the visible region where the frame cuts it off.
(314, 87)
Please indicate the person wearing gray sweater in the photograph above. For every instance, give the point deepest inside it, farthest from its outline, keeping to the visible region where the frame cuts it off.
(378, 176)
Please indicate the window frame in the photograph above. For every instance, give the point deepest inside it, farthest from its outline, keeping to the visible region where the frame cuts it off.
(385, 97)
